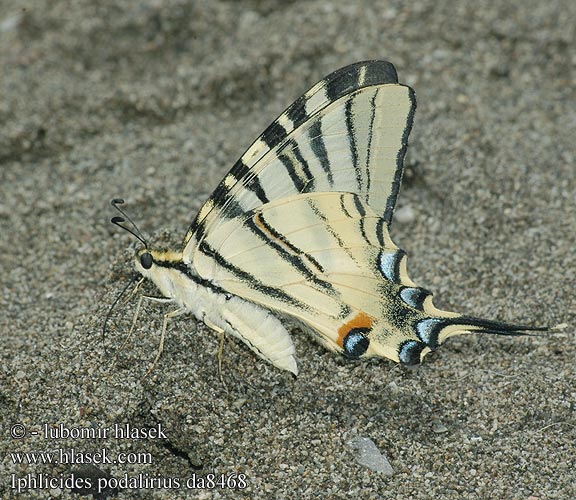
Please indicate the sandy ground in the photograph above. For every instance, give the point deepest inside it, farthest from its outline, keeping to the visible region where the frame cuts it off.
(154, 101)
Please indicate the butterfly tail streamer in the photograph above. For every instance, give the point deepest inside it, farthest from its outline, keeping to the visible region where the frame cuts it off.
(470, 324)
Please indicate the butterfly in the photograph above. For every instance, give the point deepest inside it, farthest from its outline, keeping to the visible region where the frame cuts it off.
(298, 230)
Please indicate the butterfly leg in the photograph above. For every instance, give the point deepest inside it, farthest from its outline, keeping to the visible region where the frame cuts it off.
(129, 336)
(167, 316)
(135, 317)
(134, 291)
(220, 349)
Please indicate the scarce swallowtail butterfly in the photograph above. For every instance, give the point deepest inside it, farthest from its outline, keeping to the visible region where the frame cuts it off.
(298, 229)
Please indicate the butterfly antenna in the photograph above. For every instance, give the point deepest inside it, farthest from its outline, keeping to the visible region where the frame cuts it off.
(118, 221)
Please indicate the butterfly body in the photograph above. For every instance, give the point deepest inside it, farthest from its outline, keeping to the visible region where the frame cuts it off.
(222, 311)
(299, 228)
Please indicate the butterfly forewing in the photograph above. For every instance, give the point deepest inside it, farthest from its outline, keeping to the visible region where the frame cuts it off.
(347, 134)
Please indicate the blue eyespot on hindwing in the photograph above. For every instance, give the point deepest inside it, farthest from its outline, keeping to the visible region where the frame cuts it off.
(389, 264)
(414, 297)
(409, 352)
(428, 330)
(356, 343)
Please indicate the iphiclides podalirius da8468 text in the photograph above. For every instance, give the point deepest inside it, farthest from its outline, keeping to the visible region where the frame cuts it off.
(299, 228)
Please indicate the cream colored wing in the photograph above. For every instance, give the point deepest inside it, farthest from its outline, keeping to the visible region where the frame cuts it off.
(348, 133)
(327, 260)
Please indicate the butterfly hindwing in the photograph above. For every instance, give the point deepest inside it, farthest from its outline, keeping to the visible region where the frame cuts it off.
(326, 260)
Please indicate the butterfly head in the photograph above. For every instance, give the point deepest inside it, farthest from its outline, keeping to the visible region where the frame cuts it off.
(144, 262)
(150, 262)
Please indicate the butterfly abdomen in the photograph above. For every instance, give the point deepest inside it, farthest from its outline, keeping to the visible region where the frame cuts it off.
(222, 311)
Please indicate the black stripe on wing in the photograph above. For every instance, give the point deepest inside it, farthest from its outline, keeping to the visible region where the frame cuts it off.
(370, 135)
(348, 112)
(240, 172)
(221, 197)
(296, 113)
(319, 149)
(274, 134)
(297, 167)
(299, 260)
(310, 182)
(280, 237)
(250, 280)
(391, 202)
(359, 75)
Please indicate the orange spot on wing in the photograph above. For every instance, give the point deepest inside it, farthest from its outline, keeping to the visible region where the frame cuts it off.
(361, 320)
(266, 230)
(260, 223)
